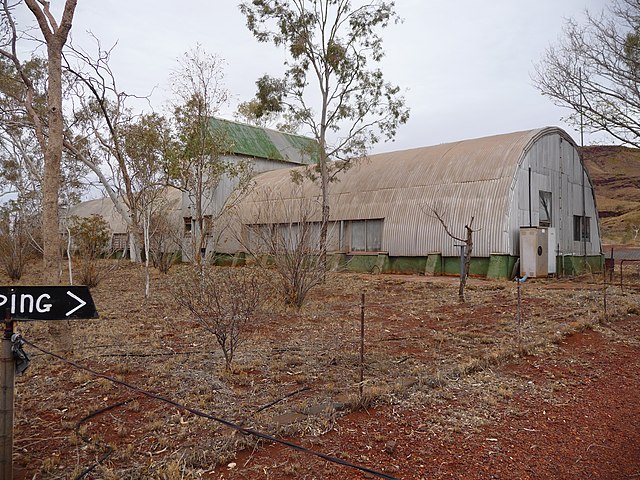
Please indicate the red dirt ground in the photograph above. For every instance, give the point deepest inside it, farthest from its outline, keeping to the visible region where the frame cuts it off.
(568, 410)
(590, 429)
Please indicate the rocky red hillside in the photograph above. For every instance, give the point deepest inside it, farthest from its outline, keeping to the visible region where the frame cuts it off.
(615, 173)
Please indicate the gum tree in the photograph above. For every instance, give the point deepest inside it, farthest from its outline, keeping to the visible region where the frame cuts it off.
(198, 166)
(147, 143)
(332, 85)
(48, 126)
(96, 135)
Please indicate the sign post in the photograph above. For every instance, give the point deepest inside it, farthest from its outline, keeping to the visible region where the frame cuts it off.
(48, 303)
(7, 377)
(29, 304)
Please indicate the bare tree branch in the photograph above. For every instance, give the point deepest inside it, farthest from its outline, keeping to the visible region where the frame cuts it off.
(468, 247)
(595, 72)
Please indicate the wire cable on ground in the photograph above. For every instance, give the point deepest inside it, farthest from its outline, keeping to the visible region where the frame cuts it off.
(271, 404)
(199, 413)
(109, 450)
(156, 354)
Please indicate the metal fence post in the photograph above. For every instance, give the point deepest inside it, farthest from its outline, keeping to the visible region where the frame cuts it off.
(361, 345)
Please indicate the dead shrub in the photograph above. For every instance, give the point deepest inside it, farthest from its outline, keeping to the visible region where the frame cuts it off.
(371, 395)
(164, 244)
(293, 248)
(224, 301)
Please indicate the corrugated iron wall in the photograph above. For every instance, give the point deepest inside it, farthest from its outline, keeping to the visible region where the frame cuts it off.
(556, 167)
(485, 178)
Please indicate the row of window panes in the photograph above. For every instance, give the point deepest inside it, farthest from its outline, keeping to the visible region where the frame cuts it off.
(188, 224)
(365, 235)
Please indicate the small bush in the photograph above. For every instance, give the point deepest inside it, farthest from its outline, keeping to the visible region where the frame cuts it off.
(163, 260)
(91, 240)
(224, 301)
(164, 245)
(15, 243)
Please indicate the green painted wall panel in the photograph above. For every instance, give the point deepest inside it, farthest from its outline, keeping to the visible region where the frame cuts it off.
(361, 263)
(574, 265)
(407, 264)
(501, 266)
(498, 266)
(434, 264)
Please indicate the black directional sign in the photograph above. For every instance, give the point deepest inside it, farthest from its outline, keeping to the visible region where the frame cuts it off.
(47, 303)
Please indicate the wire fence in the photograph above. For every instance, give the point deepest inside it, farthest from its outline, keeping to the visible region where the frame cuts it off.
(162, 398)
(604, 294)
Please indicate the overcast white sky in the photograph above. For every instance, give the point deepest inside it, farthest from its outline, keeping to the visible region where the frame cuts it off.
(465, 65)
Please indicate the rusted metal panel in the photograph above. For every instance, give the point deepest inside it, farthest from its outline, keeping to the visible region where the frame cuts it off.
(257, 142)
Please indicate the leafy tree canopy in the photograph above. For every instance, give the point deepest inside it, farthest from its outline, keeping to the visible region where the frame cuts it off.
(330, 83)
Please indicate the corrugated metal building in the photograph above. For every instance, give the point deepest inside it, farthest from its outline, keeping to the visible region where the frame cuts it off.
(382, 217)
(172, 204)
(264, 150)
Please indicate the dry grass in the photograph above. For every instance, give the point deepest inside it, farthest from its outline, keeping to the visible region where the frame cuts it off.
(421, 348)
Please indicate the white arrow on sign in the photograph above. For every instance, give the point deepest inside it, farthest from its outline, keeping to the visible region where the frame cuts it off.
(82, 303)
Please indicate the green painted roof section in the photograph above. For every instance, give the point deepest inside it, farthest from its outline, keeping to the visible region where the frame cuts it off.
(266, 143)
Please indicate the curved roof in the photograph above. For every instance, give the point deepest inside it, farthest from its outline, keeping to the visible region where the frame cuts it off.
(460, 180)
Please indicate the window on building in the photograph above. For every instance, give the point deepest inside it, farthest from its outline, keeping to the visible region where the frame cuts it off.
(284, 236)
(359, 236)
(187, 225)
(545, 209)
(314, 234)
(295, 235)
(581, 228)
(374, 235)
(342, 240)
(288, 235)
(366, 235)
(119, 241)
